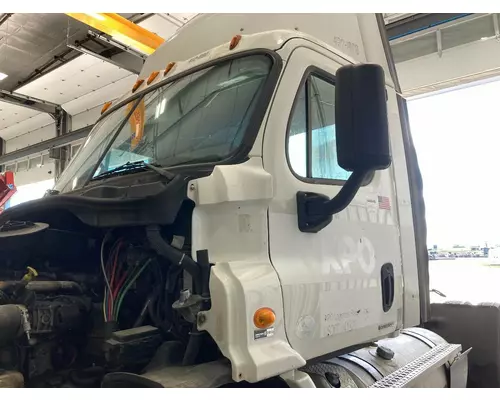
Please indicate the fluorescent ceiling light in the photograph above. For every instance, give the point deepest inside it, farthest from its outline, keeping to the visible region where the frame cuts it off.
(3, 76)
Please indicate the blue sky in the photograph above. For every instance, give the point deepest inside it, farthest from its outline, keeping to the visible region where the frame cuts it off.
(457, 136)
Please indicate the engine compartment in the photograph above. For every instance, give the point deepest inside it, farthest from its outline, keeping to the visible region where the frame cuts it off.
(79, 303)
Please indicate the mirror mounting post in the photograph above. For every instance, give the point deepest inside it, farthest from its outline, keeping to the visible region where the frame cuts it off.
(315, 210)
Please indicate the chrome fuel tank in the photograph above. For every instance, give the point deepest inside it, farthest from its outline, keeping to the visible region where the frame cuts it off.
(363, 368)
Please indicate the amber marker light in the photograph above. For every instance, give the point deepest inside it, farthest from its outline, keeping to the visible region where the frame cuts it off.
(264, 318)
(106, 106)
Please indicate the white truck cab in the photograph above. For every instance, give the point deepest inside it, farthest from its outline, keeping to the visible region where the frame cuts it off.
(293, 145)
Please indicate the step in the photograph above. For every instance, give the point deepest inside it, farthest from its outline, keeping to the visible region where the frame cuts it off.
(408, 375)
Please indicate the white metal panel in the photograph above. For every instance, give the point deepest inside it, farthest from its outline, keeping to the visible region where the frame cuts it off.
(58, 77)
(230, 221)
(27, 126)
(74, 79)
(104, 73)
(11, 114)
(341, 31)
(36, 136)
(100, 96)
(331, 279)
(80, 85)
(184, 17)
(161, 26)
(86, 118)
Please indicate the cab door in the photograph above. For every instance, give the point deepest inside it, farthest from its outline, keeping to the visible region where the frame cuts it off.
(342, 285)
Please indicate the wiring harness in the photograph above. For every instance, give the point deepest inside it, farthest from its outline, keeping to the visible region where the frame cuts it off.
(119, 279)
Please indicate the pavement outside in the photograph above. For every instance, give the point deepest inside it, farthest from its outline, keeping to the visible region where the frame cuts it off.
(465, 279)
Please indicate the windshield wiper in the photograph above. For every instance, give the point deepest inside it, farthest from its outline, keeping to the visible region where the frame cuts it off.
(133, 166)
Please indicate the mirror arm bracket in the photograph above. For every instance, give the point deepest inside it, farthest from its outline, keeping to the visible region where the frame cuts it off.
(315, 211)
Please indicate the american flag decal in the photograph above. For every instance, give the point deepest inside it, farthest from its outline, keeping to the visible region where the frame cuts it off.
(384, 203)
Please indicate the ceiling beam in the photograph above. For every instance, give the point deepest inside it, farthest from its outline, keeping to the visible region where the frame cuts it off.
(30, 102)
(46, 145)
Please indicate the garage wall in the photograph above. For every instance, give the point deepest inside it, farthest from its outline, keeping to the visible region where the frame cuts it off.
(36, 168)
(39, 167)
(34, 174)
(80, 120)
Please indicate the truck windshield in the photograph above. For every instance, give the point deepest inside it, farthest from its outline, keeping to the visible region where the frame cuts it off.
(199, 118)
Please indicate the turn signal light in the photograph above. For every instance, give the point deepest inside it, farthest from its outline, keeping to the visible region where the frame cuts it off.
(137, 85)
(152, 77)
(169, 68)
(234, 42)
(264, 318)
(105, 107)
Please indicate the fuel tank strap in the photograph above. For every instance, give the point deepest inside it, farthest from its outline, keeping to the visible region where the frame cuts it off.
(369, 368)
(420, 337)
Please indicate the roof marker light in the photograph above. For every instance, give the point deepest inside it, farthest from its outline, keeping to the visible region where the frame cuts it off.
(234, 42)
(106, 106)
(152, 77)
(169, 67)
(137, 85)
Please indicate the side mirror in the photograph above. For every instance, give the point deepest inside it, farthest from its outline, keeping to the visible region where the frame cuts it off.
(362, 139)
(361, 124)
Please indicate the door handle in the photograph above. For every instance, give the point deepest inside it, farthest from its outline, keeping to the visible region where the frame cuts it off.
(387, 285)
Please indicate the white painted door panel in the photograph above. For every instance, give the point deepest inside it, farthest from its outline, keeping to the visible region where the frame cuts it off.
(331, 280)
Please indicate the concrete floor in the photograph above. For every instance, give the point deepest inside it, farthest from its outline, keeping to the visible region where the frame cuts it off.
(465, 279)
